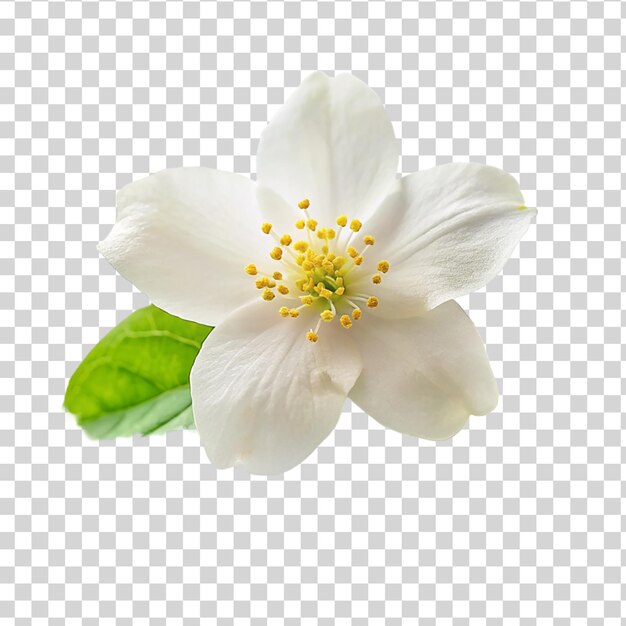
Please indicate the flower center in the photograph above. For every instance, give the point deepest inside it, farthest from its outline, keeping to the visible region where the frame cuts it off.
(316, 271)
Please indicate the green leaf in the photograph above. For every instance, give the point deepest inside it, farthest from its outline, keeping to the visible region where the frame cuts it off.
(136, 380)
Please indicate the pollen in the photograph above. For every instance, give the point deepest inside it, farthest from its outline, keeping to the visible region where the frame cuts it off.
(251, 269)
(368, 240)
(383, 266)
(304, 204)
(283, 311)
(342, 220)
(266, 228)
(312, 337)
(355, 225)
(268, 295)
(276, 254)
(345, 321)
(376, 279)
(286, 240)
(282, 289)
(372, 302)
(356, 314)
(327, 315)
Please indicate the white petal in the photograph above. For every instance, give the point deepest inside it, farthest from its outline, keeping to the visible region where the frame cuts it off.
(264, 396)
(424, 376)
(184, 236)
(333, 143)
(446, 232)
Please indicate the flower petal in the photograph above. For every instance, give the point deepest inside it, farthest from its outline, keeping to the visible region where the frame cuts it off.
(265, 397)
(333, 143)
(184, 236)
(446, 232)
(424, 376)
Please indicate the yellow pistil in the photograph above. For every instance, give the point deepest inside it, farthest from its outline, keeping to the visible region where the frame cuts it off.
(304, 204)
(283, 311)
(327, 315)
(368, 240)
(312, 337)
(268, 295)
(282, 289)
(342, 220)
(251, 269)
(276, 254)
(345, 321)
(372, 302)
(356, 314)
(277, 276)
(355, 225)
(376, 279)
(285, 240)
(383, 266)
(266, 228)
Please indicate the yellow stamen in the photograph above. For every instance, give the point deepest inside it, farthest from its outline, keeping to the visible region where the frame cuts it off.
(327, 315)
(282, 289)
(294, 312)
(301, 246)
(251, 269)
(285, 240)
(376, 279)
(266, 228)
(283, 311)
(306, 300)
(368, 240)
(268, 295)
(330, 233)
(339, 261)
(304, 204)
(300, 224)
(353, 252)
(342, 220)
(276, 254)
(340, 291)
(372, 302)
(312, 337)
(345, 321)
(358, 260)
(355, 225)
(277, 276)
(311, 225)
(264, 281)
(356, 314)
(383, 267)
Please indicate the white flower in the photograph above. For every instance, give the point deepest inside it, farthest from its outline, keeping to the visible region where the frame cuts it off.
(330, 246)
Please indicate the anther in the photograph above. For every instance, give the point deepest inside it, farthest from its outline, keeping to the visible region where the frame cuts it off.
(372, 302)
(306, 300)
(356, 314)
(345, 321)
(351, 251)
(340, 291)
(312, 337)
(342, 220)
(294, 312)
(283, 311)
(355, 225)
(277, 276)
(327, 315)
(282, 289)
(301, 246)
(376, 279)
(266, 228)
(285, 240)
(358, 260)
(304, 204)
(268, 295)
(276, 254)
(251, 269)
(300, 224)
(368, 240)
(311, 224)
(383, 266)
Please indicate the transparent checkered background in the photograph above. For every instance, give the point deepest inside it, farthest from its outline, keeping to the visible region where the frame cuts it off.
(519, 519)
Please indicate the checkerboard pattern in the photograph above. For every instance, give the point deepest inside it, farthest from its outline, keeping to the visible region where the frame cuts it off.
(518, 520)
